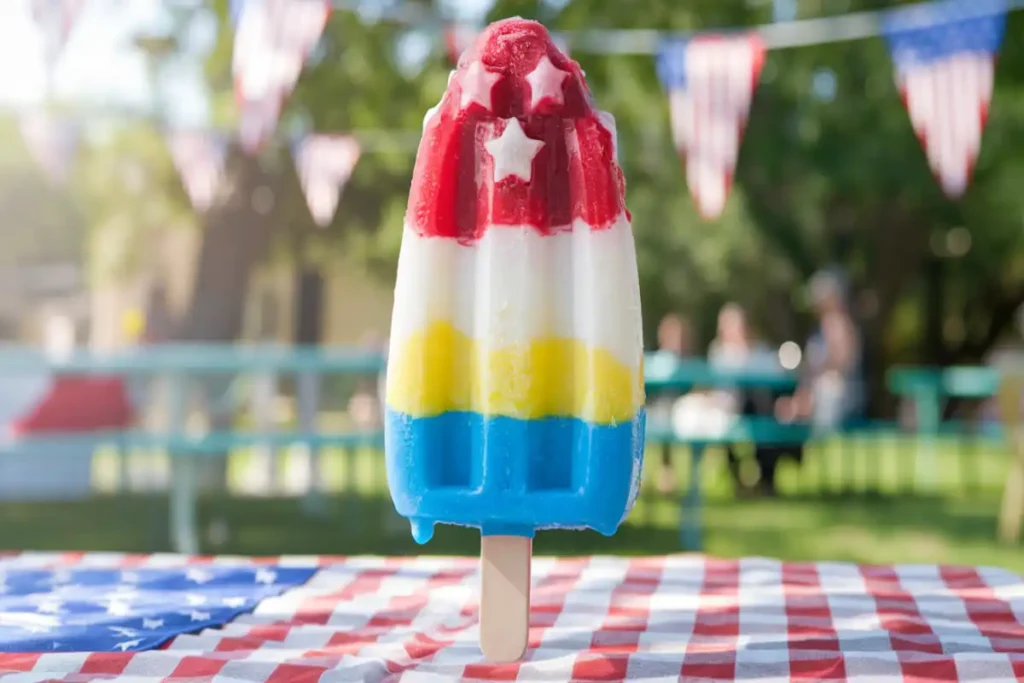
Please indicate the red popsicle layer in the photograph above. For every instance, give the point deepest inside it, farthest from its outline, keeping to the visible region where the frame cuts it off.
(460, 188)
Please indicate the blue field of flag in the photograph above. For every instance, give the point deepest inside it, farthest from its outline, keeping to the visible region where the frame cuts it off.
(127, 610)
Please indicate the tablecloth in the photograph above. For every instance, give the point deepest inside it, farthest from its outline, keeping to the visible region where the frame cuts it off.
(593, 618)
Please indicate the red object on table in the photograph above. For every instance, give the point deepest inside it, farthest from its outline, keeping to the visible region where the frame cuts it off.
(78, 404)
(668, 618)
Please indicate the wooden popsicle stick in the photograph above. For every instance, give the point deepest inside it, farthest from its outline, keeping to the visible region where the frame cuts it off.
(504, 596)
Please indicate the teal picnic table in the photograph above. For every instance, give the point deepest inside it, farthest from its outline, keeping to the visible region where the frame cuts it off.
(927, 389)
(664, 374)
(177, 366)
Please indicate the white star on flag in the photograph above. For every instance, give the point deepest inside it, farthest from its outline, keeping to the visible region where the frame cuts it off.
(198, 616)
(196, 575)
(61, 576)
(126, 645)
(152, 624)
(195, 600)
(119, 608)
(546, 83)
(476, 85)
(123, 631)
(513, 152)
(234, 602)
(266, 576)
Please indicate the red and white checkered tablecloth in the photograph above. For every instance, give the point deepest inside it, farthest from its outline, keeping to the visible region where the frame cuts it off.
(593, 618)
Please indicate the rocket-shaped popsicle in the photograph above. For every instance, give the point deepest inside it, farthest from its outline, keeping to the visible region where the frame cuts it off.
(515, 381)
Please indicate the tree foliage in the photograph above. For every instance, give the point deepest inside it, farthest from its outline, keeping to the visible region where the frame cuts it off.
(830, 172)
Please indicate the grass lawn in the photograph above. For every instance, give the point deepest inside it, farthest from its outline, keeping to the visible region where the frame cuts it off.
(848, 502)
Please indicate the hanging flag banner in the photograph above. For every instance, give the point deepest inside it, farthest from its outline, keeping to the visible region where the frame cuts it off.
(52, 142)
(257, 120)
(198, 157)
(457, 39)
(324, 164)
(710, 82)
(59, 16)
(273, 40)
(944, 54)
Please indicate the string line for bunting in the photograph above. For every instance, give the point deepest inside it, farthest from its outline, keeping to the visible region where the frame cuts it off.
(774, 36)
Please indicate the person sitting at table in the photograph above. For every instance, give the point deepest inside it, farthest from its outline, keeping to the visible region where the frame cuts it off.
(830, 391)
(674, 346)
(734, 349)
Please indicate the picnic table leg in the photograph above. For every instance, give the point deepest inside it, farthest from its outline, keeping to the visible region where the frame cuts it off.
(1011, 513)
(308, 399)
(184, 536)
(928, 414)
(690, 524)
(263, 394)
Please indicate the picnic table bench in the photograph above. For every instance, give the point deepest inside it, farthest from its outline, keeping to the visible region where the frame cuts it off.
(178, 366)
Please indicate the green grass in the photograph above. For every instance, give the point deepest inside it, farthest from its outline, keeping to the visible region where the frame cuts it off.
(849, 501)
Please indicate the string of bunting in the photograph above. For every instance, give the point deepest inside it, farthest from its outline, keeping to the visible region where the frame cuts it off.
(944, 55)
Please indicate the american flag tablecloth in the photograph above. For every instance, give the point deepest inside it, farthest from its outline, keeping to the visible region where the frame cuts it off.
(595, 618)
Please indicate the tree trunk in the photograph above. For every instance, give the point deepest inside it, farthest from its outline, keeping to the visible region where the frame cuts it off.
(236, 238)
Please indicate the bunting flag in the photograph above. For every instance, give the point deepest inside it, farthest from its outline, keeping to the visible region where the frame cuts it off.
(273, 40)
(257, 119)
(58, 15)
(198, 157)
(324, 164)
(52, 142)
(457, 38)
(945, 53)
(710, 82)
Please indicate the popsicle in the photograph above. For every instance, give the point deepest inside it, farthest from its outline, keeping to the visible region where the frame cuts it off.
(514, 390)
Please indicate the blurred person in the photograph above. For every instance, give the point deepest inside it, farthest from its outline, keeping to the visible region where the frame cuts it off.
(732, 349)
(830, 390)
(674, 346)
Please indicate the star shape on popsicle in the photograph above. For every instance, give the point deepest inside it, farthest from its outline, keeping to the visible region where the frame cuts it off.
(513, 152)
(476, 84)
(546, 82)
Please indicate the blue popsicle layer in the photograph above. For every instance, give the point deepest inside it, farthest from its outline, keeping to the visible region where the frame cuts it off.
(512, 476)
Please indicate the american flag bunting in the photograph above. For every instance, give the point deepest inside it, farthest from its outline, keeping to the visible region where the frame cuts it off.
(945, 54)
(61, 15)
(710, 82)
(324, 164)
(198, 157)
(273, 40)
(53, 143)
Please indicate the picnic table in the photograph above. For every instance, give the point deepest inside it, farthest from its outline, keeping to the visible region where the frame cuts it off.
(683, 376)
(676, 617)
(927, 389)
